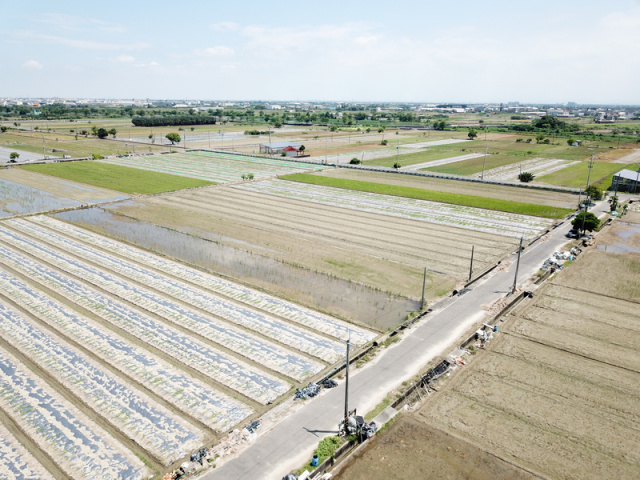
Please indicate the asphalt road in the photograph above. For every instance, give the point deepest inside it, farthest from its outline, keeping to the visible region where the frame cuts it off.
(290, 443)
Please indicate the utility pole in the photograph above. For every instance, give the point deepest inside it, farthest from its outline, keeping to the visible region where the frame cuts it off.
(486, 149)
(398, 153)
(471, 264)
(346, 388)
(515, 278)
(424, 288)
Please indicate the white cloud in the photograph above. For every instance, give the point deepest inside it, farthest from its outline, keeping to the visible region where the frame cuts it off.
(217, 51)
(124, 59)
(81, 44)
(225, 26)
(77, 23)
(150, 64)
(32, 65)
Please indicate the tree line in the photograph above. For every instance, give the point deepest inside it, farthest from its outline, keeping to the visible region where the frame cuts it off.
(161, 121)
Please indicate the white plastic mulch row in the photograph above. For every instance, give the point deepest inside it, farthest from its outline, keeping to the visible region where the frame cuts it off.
(279, 330)
(264, 352)
(186, 393)
(215, 168)
(132, 412)
(16, 463)
(217, 365)
(471, 218)
(79, 446)
(284, 309)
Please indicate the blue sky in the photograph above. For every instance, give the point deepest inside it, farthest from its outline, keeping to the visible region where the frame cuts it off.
(417, 51)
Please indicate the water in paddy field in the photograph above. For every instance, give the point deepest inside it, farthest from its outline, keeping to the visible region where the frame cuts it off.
(16, 199)
(336, 296)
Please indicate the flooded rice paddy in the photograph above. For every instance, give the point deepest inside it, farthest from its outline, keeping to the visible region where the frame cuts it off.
(349, 300)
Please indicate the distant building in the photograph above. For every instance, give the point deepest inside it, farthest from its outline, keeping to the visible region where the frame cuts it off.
(276, 148)
(626, 181)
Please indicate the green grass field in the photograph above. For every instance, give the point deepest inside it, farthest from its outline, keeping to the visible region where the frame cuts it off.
(576, 175)
(444, 197)
(115, 177)
(418, 157)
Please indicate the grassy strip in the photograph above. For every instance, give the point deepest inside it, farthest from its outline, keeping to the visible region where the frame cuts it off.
(115, 177)
(418, 157)
(576, 175)
(326, 448)
(444, 197)
(379, 408)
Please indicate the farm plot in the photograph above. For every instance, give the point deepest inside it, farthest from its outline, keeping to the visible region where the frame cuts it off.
(269, 326)
(214, 167)
(560, 384)
(188, 394)
(16, 199)
(537, 166)
(444, 161)
(499, 223)
(133, 413)
(384, 251)
(79, 447)
(216, 364)
(216, 286)
(263, 352)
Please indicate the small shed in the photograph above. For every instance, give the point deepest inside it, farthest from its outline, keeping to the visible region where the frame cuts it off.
(291, 151)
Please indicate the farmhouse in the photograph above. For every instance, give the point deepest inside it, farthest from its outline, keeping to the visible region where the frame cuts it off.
(626, 181)
(276, 148)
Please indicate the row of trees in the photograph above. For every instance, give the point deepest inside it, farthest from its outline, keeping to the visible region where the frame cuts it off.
(161, 121)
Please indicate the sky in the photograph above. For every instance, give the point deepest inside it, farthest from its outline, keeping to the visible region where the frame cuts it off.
(548, 51)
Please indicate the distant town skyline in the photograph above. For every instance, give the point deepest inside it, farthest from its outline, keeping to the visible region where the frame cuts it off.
(466, 52)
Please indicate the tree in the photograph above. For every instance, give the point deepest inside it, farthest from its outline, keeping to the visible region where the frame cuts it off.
(102, 133)
(539, 138)
(571, 141)
(354, 161)
(3, 128)
(302, 149)
(594, 192)
(591, 222)
(113, 132)
(173, 138)
(14, 156)
(472, 134)
(613, 202)
(526, 177)
(94, 130)
(383, 142)
(397, 166)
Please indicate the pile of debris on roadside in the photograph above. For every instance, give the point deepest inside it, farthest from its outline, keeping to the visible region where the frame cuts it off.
(557, 260)
(313, 389)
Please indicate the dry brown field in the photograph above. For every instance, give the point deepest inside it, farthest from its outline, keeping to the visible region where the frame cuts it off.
(385, 252)
(555, 394)
(538, 197)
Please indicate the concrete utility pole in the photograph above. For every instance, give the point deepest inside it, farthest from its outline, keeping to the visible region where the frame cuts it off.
(486, 149)
(515, 278)
(471, 264)
(424, 288)
(346, 388)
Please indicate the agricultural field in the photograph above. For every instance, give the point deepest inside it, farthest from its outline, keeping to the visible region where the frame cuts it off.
(451, 198)
(332, 231)
(23, 192)
(116, 177)
(213, 167)
(554, 395)
(576, 175)
(538, 166)
(497, 192)
(57, 145)
(147, 358)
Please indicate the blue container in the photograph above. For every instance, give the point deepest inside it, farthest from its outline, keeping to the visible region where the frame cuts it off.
(314, 461)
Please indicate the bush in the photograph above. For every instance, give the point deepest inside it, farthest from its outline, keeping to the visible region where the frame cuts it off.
(355, 161)
(383, 142)
(96, 156)
(519, 140)
(594, 192)
(526, 177)
(397, 165)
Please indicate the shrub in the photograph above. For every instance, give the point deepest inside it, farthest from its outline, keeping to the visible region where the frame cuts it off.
(526, 177)
(383, 142)
(519, 140)
(355, 161)
(397, 165)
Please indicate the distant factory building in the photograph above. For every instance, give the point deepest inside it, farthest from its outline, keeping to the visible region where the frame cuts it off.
(626, 181)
